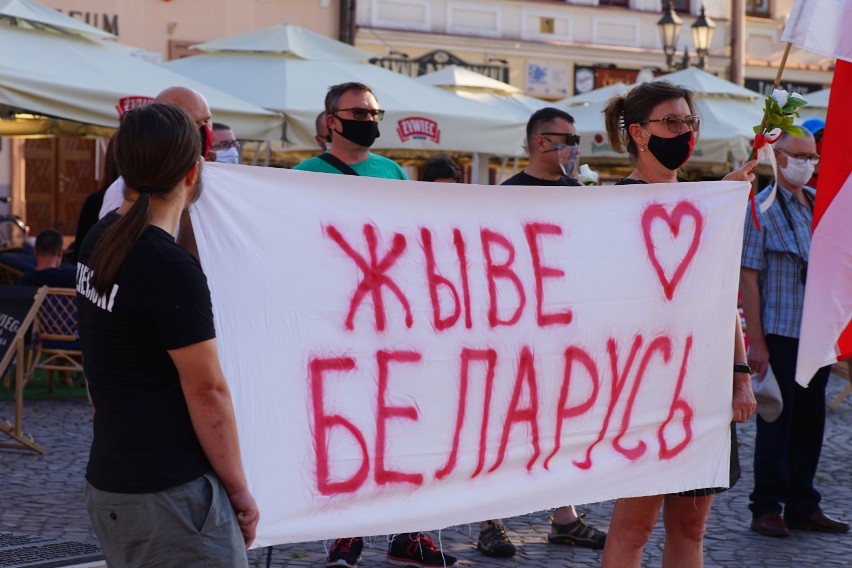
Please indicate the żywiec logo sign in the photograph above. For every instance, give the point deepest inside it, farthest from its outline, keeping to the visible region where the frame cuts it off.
(419, 128)
(128, 103)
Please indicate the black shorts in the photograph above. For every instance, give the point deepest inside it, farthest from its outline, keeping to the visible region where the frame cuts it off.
(734, 474)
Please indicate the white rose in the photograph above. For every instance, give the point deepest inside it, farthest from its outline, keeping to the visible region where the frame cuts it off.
(797, 96)
(780, 96)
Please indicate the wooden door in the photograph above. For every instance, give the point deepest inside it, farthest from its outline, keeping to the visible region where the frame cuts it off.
(59, 174)
(75, 181)
(40, 183)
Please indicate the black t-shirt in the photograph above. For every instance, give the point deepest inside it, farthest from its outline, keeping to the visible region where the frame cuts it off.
(61, 277)
(523, 178)
(631, 181)
(144, 441)
(88, 217)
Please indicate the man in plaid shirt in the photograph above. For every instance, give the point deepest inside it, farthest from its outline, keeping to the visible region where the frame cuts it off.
(772, 286)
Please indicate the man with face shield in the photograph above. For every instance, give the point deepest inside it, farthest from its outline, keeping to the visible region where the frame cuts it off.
(554, 149)
(352, 115)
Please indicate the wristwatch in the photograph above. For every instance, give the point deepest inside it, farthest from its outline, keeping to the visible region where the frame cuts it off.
(742, 368)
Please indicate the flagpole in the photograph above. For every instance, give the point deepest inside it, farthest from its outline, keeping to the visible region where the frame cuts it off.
(760, 133)
(775, 85)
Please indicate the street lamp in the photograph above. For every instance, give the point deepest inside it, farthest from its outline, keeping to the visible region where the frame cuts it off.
(669, 26)
(702, 33)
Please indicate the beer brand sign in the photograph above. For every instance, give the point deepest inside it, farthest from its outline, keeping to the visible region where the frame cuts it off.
(129, 103)
(419, 128)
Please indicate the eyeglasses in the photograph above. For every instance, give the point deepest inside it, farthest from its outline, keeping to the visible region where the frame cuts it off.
(812, 159)
(363, 113)
(570, 139)
(225, 145)
(675, 123)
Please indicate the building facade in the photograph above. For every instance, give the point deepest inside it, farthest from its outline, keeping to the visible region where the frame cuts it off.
(558, 48)
(548, 48)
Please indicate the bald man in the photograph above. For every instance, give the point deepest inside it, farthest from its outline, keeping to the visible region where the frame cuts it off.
(322, 137)
(196, 107)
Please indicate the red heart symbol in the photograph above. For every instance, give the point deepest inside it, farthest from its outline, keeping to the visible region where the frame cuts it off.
(681, 210)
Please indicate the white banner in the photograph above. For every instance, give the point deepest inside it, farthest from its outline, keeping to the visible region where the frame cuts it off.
(407, 356)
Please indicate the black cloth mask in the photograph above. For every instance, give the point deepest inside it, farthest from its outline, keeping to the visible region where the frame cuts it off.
(672, 152)
(361, 132)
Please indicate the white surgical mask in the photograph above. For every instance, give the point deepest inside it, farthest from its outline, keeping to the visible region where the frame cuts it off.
(797, 172)
(228, 156)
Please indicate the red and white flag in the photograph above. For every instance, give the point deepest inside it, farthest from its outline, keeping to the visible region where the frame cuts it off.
(822, 26)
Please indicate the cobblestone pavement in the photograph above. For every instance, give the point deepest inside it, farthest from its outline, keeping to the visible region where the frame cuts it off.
(42, 495)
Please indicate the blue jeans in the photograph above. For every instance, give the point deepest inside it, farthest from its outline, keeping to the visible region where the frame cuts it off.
(189, 525)
(786, 452)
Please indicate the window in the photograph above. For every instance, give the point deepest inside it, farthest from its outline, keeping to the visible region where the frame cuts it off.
(623, 3)
(759, 8)
(681, 5)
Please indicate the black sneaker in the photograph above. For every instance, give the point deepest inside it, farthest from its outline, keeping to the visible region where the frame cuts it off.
(494, 542)
(416, 549)
(345, 552)
(577, 533)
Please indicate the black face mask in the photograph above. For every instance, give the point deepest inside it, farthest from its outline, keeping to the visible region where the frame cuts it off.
(672, 152)
(361, 132)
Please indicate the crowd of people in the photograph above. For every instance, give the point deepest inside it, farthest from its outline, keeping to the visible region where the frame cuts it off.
(148, 338)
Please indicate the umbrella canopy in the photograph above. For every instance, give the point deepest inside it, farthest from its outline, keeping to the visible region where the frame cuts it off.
(503, 98)
(728, 112)
(817, 106)
(29, 15)
(601, 95)
(292, 41)
(818, 99)
(418, 116)
(59, 78)
(454, 77)
(705, 84)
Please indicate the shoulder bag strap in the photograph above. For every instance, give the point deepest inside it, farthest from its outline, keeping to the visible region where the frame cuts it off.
(337, 163)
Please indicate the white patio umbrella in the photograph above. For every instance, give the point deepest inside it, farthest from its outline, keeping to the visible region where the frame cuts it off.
(602, 94)
(817, 106)
(32, 16)
(64, 78)
(289, 69)
(502, 97)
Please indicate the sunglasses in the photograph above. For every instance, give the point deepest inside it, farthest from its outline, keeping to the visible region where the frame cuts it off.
(675, 123)
(225, 145)
(570, 139)
(363, 113)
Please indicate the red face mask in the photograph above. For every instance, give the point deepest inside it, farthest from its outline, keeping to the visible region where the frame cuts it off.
(206, 138)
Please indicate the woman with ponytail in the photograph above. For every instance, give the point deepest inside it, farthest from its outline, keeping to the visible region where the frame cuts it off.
(165, 481)
(655, 123)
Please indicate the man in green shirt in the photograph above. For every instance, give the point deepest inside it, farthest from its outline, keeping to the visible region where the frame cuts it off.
(352, 114)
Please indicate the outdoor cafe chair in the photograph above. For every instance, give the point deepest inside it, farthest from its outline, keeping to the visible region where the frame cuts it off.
(56, 346)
